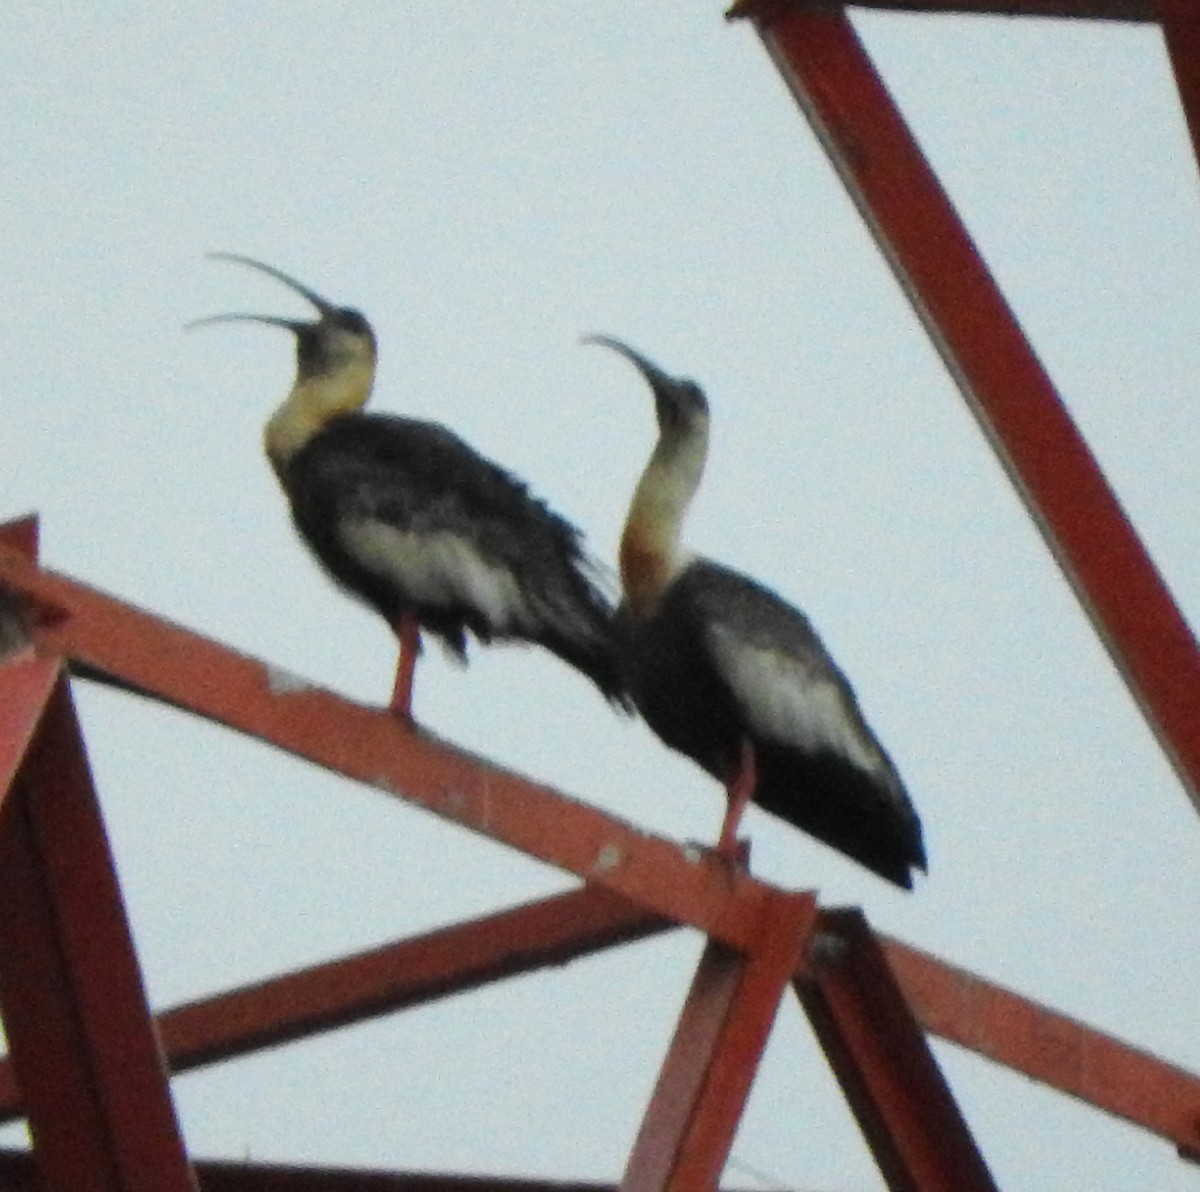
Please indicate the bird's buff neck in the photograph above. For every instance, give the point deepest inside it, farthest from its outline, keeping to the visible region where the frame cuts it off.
(311, 404)
(651, 555)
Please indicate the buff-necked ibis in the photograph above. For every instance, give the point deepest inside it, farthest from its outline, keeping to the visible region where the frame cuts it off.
(731, 675)
(406, 516)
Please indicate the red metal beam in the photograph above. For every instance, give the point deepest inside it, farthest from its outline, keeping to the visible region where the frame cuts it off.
(1050, 1047)
(690, 1124)
(1016, 404)
(448, 961)
(1180, 22)
(44, 1037)
(313, 995)
(17, 1175)
(21, 536)
(83, 1044)
(394, 977)
(951, 1002)
(882, 1061)
(173, 665)
(1096, 10)
(27, 684)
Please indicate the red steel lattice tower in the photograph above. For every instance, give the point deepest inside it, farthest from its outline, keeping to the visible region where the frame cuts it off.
(89, 1062)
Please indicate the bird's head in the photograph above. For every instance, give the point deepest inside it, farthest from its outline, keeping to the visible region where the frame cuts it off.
(335, 365)
(650, 554)
(339, 342)
(679, 403)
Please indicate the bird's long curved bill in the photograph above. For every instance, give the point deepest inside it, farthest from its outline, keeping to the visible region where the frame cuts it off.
(325, 307)
(647, 368)
(271, 320)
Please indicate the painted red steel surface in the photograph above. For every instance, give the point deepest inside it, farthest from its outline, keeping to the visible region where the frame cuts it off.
(1050, 1047)
(1107, 10)
(20, 535)
(83, 1044)
(411, 972)
(704, 1082)
(394, 977)
(176, 666)
(241, 1020)
(29, 682)
(1015, 402)
(786, 932)
(17, 1175)
(681, 1079)
(882, 1060)
(1180, 20)
(953, 1003)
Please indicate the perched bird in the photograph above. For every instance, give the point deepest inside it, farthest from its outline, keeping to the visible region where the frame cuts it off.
(732, 676)
(407, 517)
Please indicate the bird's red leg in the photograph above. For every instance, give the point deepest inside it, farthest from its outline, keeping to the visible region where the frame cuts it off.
(409, 633)
(738, 792)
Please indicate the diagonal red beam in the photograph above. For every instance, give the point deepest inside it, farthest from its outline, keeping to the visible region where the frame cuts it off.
(17, 1175)
(1057, 1050)
(21, 535)
(920, 234)
(176, 666)
(44, 1035)
(448, 961)
(394, 977)
(1094, 10)
(1180, 22)
(1167, 1086)
(951, 1002)
(883, 1062)
(689, 1126)
(26, 685)
(83, 1045)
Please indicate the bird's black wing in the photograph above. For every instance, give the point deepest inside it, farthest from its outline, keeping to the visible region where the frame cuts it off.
(420, 477)
(409, 516)
(821, 766)
(788, 688)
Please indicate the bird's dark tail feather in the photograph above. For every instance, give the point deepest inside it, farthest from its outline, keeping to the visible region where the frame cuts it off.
(597, 659)
(579, 628)
(845, 808)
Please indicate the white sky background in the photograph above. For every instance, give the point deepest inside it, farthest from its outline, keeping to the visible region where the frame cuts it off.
(488, 184)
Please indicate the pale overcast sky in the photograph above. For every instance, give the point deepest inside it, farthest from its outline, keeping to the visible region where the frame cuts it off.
(487, 184)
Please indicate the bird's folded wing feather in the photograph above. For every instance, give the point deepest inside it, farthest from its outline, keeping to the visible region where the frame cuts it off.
(788, 687)
(422, 479)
